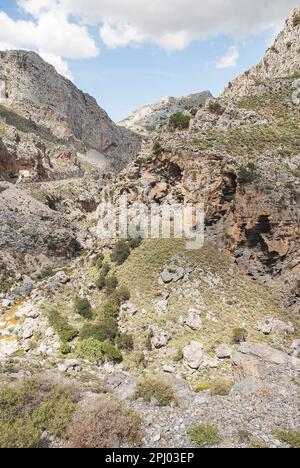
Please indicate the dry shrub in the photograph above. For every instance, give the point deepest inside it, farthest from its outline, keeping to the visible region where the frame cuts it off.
(104, 423)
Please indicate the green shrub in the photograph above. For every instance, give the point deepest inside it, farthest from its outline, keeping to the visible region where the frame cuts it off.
(135, 242)
(105, 329)
(215, 107)
(296, 21)
(221, 387)
(247, 174)
(83, 308)
(98, 261)
(90, 349)
(125, 342)
(291, 438)
(120, 253)
(111, 353)
(240, 335)
(45, 274)
(65, 348)
(179, 121)
(54, 415)
(201, 386)
(110, 308)
(100, 283)
(65, 331)
(111, 284)
(157, 148)
(204, 435)
(149, 388)
(105, 269)
(123, 294)
(32, 407)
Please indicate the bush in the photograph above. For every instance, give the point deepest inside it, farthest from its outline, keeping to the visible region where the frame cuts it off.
(154, 388)
(204, 435)
(105, 269)
(104, 423)
(104, 329)
(240, 335)
(202, 386)
(125, 342)
(179, 121)
(90, 349)
(157, 148)
(110, 308)
(83, 308)
(111, 284)
(247, 174)
(296, 21)
(31, 408)
(45, 274)
(135, 242)
(65, 348)
(65, 331)
(111, 352)
(100, 283)
(120, 253)
(98, 262)
(291, 438)
(221, 387)
(123, 294)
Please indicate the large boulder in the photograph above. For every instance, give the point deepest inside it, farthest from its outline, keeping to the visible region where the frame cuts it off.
(194, 355)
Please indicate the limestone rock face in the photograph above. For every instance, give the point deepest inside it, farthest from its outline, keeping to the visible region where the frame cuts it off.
(32, 88)
(148, 118)
(281, 60)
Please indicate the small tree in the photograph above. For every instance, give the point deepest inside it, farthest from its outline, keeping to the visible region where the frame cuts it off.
(84, 308)
(111, 284)
(179, 121)
(120, 253)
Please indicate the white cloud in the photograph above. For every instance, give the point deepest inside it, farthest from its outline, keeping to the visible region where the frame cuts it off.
(60, 28)
(229, 60)
(51, 34)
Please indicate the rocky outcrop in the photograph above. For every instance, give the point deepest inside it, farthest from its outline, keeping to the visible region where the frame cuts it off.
(281, 60)
(149, 118)
(37, 92)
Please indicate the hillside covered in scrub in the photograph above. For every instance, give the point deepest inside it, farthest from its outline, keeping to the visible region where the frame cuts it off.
(143, 342)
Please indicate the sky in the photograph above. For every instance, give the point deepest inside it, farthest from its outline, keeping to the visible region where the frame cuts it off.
(128, 53)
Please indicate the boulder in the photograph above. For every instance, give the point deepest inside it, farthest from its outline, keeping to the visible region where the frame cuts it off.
(29, 327)
(172, 274)
(295, 348)
(265, 352)
(223, 352)
(158, 338)
(273, 325)
(194, 355)
(193, 321)
(247, 387)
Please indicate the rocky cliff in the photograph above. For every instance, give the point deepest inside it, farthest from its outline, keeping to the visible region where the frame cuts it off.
(34, 90)
(149, 118)
(281, 60)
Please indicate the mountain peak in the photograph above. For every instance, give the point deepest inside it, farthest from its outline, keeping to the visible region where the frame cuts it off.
(281, 60)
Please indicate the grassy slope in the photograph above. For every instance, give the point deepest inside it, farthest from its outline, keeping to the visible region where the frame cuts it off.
(230, 297)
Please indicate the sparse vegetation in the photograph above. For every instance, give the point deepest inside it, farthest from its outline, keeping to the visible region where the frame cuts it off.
(221, 387)
(149, 388)
(204, 435)
(157, 148)
(247, 174)
(103, 423)
(291, 438)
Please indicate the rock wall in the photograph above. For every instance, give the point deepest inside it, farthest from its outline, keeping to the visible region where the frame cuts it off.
(281, 60)
(35, 90)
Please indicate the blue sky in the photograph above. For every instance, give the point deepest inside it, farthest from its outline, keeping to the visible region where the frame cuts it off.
(126, 60)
